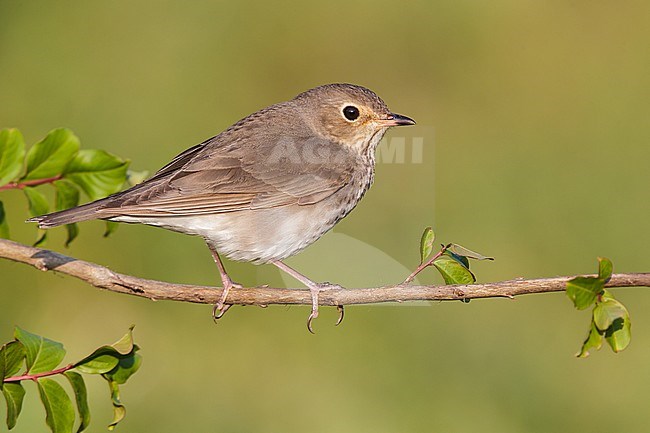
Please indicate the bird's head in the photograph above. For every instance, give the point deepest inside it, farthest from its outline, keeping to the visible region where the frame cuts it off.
(348, 114)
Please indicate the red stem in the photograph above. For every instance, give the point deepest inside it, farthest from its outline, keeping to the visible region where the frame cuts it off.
(425, 264)
(34, 182)
(37, 375)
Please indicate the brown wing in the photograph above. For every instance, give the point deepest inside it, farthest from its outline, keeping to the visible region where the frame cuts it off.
(233, 172)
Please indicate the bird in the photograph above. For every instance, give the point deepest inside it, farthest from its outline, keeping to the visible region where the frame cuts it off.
(266, 187)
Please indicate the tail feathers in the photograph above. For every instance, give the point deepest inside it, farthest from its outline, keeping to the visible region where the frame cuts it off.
(74, 215)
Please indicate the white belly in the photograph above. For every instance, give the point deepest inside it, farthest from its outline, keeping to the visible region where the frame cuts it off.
(254, 235)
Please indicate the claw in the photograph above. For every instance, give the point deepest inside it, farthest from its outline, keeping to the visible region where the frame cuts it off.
(341, 311)
(312, 316)
(219, 310)
(221, 307)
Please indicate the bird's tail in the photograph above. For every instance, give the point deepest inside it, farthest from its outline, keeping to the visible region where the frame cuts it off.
(84, 212)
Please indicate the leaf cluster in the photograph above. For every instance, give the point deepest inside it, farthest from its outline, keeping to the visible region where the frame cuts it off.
(452, 261)
(40, 358)
(59, 161)
(610, 319)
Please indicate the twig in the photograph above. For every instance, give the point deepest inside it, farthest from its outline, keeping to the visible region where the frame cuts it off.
(36, 376)
(34, 182)
(425, 264)
(103, 278)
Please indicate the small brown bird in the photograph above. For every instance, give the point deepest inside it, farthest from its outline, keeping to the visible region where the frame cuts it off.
(265, 188)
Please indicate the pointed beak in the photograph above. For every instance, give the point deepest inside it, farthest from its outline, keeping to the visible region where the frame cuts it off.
(397, 120)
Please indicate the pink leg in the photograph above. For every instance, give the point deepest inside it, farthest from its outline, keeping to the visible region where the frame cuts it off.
(221, 307)
(314, 288)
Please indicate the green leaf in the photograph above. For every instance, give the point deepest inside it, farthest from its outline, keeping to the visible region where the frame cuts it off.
(128, 361)
(37, 202)
(37, 206)
(111, 226)
(49, 157)
(4, 226)
(106, 358)
(14, 394)
(462, 259)
(81, 396)
(426, 244)
(593, 341)
(58, 407)
(465, 252)
(119, 411)
(98, 173)
(67, 196)
(619, 334)
(41, 353)
(584, 290)
(100, 361)
(605, 269)
(125, 344)
(607, 311)
(12, 153)
(453, 271)
(126, 367)
(12, 355)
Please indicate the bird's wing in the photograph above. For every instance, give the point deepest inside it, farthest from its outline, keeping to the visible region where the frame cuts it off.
(215, 177)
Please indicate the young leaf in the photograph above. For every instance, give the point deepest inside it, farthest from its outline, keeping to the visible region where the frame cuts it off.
(106, 358)
(606, 312)
(125, 344)
(462, 259)
(618, 335)
(81, 396)
(12, 153)
(594, 341)
(58, 407)
(49, 157)
(14, 394)
(453, 271)
(67, 196)
(465, 252)
(100, 361)
(41, 353)
(126, 367)
(119, 411)
(97, 173)
(4, 226)
(12, 355)
(426, 244)
(605, 268)
(583, 291)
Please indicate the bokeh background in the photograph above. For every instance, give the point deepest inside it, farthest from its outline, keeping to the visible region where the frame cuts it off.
(534, 121)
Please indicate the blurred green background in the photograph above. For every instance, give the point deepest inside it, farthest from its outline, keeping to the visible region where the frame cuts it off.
(534, 119)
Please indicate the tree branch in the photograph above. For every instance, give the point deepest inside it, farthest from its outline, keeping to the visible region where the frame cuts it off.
(103, 278)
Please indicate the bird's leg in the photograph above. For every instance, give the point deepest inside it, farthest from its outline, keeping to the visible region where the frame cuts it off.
(221, 307)
(314, 288)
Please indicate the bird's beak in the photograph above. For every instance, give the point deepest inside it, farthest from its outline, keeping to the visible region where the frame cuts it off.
(396, 120)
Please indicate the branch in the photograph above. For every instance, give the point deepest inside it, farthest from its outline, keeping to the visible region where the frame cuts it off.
(103, 278)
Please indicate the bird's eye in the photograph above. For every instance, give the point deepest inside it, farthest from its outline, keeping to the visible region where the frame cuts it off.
(351, 113)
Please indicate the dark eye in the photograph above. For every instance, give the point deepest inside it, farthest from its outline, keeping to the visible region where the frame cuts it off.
(351, 112)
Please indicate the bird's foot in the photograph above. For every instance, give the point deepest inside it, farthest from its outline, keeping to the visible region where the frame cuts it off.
(315, 290)
(221, 307)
